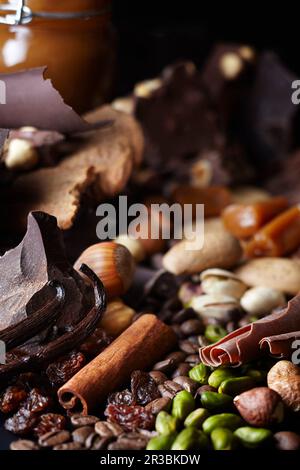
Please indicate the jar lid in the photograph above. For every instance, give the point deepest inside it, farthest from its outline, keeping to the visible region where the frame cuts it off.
(18, 13)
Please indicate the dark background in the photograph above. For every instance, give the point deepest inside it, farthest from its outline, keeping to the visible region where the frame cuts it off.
(153, 34)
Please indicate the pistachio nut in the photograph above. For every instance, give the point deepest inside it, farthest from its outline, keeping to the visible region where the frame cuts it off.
(214, 400)
(252, 437)
(235, 385)
(214, 333)
(262, 300)
(183, 405)
(223, 439)
(190, 438)
(222, 420)
(161, 442)
(199, 373)
(219, 375)
(196, 418)
(166, 424)
(222, 282)
(213, 305)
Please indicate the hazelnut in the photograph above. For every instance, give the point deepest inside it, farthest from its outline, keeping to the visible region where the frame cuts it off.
(287, 440)
(260, 406)
(231, 65)
(134, 246)
(284, 378)
(261, 300)
(21, 155)
(125, 105)
(146, 88)
(247, 53)
(112, 263)
(117, 318)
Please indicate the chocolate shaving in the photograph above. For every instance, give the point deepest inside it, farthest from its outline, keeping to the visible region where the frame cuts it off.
(101, 163)
(244, 344)
(31, 100)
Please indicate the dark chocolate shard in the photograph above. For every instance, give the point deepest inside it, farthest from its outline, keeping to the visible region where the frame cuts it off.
(31, 100)
(177, 117)
(26, 270)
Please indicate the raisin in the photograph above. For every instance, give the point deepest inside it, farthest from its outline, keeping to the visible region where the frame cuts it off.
(37, 401)
(11, 398)
(22, 422)
(121, 398)
(60, 371)
(130, 417)
(50, 422)
(143, 388)
(95, 343)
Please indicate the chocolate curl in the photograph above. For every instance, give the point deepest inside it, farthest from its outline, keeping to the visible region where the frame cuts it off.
(244, 344)
(31, 100)
(280, 346)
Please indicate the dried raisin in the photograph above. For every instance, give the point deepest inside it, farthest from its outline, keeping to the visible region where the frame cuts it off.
(49, 422)
(121, 398)
(143, 388)
(11, 398)
(60, 371)
(22, 422)
(130, 417)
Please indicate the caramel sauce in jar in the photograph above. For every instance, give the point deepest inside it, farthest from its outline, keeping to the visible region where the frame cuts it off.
(79, 52)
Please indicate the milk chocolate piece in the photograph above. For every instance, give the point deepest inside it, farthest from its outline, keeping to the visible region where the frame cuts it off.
(31, 100)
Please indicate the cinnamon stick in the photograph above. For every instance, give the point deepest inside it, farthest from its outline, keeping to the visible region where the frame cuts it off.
(139, 347)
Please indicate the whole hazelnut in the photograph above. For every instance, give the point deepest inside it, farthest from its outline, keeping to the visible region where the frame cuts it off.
(260, 406)
(284, 378)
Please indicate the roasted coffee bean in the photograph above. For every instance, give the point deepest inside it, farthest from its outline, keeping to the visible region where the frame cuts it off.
(100, 443)
(184, 315)
(78, 420)
(177, 330)
(165, 366)
(188, 384)
(169, 389)
(182, 369)
(23, 444)
(162, 285)
(177, 356)
(194, 340)
(93, 440)
(53, 438)
(107, 429)
(160, 404)
(129, 442)
(158, 377)
(192, 327)
(231, 326)
(188, 347)
(68, 446)
(173, 304)
(192, 359)
(202, 341)
(80, 434)
(165, 315)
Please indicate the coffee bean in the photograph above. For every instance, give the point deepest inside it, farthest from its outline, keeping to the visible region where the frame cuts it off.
(69, 446)
(160, 404)
(172, 304)
(188, 384)
(204, 388)
(101, 443)
(158, 377)
(23, 444)
(79, 420)
(193, 359)
(193, 339)
(129, 442)
(177, 330)
(177, 356)
(93, 440)
(107, 429)
(80, 434)
(164, 366)
(192, 327)
(53, 438)
(169, 389)
(231, 326)
(183, 315)
(182, 369)
(165, 315)
(188, 347)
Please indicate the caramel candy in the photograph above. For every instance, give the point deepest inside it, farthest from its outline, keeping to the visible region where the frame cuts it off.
(214, 198)
(244, 220)
(279, 237)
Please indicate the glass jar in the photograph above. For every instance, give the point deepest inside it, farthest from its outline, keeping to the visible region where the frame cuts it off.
(73, 38)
